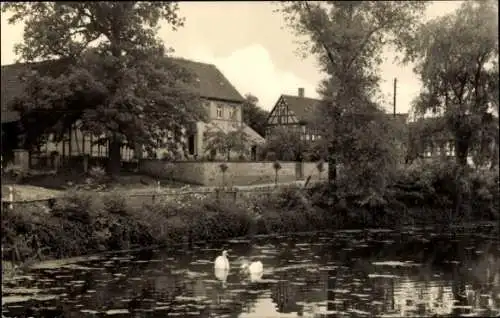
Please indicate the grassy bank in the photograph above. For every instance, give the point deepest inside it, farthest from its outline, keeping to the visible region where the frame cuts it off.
(83, 223)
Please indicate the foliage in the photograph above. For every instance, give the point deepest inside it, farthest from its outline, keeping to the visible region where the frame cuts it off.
(285, 143)
(276, 166)
(456, 58)
(97, 172)
(218, 141)
(253, 115)
(83, 222)
(223, 167)
(104, 69)
(320, 165)
(348, 37)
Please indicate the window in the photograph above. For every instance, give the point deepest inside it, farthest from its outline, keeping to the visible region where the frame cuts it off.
(219, 111)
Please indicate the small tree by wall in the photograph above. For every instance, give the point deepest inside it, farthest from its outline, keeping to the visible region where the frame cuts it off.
(223, 168)
(321, 167)
(218, 141)
(276, 167)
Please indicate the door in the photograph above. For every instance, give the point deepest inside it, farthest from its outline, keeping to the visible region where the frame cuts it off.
(254, 153)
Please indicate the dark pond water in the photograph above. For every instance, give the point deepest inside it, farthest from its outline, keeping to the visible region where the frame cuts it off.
(343, 274)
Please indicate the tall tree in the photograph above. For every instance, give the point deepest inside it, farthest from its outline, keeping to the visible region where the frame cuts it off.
(456, 59)
(253, 115)
(348, 38)
(116, 80)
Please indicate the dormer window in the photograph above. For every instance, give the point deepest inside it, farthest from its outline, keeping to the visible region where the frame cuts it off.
(219, 111)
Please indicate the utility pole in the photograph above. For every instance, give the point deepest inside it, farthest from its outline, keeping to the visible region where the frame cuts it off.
(394, 100)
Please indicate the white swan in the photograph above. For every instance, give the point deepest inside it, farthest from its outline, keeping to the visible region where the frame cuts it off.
(221, 262)
(254, 269)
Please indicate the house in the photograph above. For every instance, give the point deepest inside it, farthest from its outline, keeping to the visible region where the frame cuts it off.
(296, 113)
(292, 112)
(430, 138)
(223, 102)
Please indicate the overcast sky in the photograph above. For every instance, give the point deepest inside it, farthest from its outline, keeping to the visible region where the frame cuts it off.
(249, 43)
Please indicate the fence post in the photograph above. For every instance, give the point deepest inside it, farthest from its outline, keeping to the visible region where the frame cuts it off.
(11, 198)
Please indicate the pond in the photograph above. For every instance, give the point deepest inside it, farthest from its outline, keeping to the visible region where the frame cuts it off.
(365, 273)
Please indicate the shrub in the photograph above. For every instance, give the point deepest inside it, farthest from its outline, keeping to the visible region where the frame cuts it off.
(97, 172)
(114, 203)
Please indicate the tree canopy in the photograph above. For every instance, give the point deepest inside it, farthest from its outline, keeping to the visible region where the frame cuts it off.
(348, 38)
(456, 58)
(218, 141)
(253, 115)
(118, 82)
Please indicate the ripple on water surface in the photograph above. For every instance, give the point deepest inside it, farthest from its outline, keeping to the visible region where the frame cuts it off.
(346, 274)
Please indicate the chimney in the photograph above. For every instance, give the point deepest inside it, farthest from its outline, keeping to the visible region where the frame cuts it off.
(301, 92)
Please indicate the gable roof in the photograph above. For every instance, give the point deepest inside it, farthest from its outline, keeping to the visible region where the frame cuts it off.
(210, 82)
(302, 107)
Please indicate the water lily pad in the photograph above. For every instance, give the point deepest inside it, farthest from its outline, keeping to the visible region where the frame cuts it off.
(14, 299)
(117, 312)
(395, 264)
(359, 312)
(20, 290)
(52, 264)
(382, 276)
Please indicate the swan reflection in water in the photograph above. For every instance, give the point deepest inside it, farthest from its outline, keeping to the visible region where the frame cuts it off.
(253, 271)
(221, 274)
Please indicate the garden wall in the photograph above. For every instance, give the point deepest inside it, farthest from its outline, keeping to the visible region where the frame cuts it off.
(237, 174)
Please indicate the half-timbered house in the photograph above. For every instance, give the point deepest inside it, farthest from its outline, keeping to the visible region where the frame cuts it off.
(294, 113)
(219, 96)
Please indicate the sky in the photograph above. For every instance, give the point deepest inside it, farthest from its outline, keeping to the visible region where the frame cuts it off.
(253, 48)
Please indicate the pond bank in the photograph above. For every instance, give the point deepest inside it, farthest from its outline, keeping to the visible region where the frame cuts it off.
(83, 223)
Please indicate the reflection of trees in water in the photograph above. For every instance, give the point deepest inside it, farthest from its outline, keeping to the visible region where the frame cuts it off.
(331, 305)
(284, 296)
(471, 283)
(166, 287)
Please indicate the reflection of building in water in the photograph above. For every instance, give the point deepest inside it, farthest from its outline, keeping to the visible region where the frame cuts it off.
(265, 307)
(411, 298)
